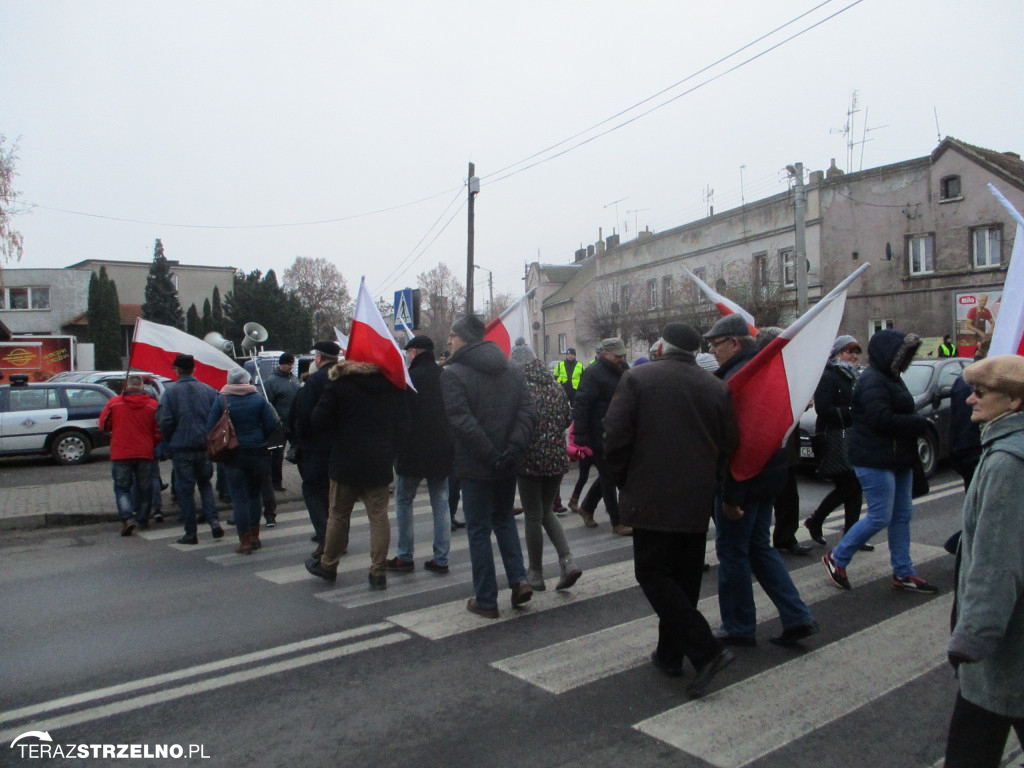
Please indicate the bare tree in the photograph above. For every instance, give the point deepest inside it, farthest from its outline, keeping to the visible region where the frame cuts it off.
(322, 290)
(502, 301)
(442, 299)
(601, 312)
(10, 240)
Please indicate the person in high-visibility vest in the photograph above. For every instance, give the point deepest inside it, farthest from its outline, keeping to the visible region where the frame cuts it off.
(947, 348)
(568, 372)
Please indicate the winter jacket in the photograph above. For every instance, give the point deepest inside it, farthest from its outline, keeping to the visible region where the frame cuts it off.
(770, 481)
(597, 386)
(362, 412)
(669, 433)
(183, 413)
(425, 449)
(546, 455)
(302, 429)
(885, 426)
(990, 590)
(964, 434)
(833, 397)
(490, 412)
(281, 390)
(251, 415)
(131, 420)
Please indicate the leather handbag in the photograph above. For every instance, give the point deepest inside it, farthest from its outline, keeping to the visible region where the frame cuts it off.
(830, 448)
(221, 441)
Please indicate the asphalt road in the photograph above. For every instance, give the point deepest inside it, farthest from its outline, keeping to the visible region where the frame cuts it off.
(142, 641)
(20, 471)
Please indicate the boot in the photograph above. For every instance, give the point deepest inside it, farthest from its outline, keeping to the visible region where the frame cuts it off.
(536, 579)
(588, 518)
(574, 503)
(570, 573)
(254, 538)
(245, 544)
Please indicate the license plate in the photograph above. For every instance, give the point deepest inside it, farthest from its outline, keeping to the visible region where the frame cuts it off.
(806, 452)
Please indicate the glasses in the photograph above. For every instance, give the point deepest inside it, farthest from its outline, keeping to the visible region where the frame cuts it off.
(979, 393)
(714, 344)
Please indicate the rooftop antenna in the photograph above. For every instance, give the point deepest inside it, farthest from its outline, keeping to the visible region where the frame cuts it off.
(616, 204)
(708, 196)
(937, 131)
(847, 129)
(743, 200)
(864, 137)
(636, 222)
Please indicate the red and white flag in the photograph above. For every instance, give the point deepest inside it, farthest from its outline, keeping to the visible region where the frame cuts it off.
(725, 306)
(1008, 335)
(154, 347)
(342, 339)
(771, 391)
(512, 324)
(370, 341)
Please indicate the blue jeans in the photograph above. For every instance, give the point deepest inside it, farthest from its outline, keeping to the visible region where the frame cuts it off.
(132, 481)
(887, 493)
(191, 469)
(245, 473)
(487, 505)
(405, 492)
(744, 547)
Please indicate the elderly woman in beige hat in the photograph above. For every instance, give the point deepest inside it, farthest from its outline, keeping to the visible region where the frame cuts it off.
(987, 646)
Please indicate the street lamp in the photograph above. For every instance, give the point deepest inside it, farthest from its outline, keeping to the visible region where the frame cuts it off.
(490, 286)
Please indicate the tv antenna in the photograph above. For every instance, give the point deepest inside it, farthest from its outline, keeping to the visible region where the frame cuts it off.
(708, 196)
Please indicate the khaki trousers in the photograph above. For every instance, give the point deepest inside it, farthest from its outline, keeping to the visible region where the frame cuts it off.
(342, 498)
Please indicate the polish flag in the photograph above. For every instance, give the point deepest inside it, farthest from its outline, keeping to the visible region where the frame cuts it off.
(342, 339)
(154, 347)
(370, 341)
(771, 391)
(725, 306)
(510, 325)
(1008, 335)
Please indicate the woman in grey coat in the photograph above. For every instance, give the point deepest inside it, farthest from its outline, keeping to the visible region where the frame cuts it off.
(987, 646)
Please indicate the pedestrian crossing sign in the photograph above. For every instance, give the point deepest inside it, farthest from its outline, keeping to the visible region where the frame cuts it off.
(404, 309)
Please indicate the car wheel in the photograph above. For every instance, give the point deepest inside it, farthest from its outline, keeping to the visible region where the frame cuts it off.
(928, 450)
(72, 447)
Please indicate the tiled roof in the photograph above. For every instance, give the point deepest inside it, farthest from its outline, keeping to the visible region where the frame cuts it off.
(1008, 163)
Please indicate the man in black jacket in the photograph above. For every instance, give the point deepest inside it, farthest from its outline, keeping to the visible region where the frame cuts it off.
(314, 443)
(424, 452)
(492, 418)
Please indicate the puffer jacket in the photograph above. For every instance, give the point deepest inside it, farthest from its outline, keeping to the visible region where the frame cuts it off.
(131, 420)
(489, 409)
(597, 387)
(251, 416)
(990, 589)
(362, 412)
(885, 426)
(834, 396)
(425, 450)
(546, 455)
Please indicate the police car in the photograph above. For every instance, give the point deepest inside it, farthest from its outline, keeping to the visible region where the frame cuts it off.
(59, 418)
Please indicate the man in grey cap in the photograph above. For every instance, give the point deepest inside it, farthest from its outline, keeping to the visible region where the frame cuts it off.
(597, 385)
(668, 436)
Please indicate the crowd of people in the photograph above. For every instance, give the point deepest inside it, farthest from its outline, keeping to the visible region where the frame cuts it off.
(481, 424)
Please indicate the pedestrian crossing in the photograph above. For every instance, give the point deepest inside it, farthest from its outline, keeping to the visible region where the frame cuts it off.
(706, 729)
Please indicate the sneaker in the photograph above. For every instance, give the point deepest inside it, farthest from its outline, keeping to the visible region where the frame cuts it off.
(837, 574)
(699, 685)
(430, 565)
(913, 584)
(271, 521)
(127, 527)
(158, 517)
(398, 564)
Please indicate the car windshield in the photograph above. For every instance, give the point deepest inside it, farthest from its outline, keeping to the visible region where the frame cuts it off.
(917, 377)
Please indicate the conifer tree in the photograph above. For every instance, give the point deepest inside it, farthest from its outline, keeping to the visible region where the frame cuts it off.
(104, 318)
(162, 304)
(192, 321)
(206, 322)
(217, 313)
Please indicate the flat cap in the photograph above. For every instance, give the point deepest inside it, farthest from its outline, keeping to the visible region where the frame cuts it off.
(730, 325)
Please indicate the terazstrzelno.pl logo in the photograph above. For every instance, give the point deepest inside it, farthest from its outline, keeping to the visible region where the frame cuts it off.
(39, 745)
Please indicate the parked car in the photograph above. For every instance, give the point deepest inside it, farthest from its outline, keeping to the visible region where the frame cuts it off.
(114, 380)
(57, 418)
(929, 381)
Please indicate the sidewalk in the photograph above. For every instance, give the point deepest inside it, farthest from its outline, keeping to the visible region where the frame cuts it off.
(57, 505)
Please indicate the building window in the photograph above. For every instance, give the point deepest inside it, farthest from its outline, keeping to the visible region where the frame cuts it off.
(666, 291)
(950, 188)
(787, 267)
(884, 324)
(624, 296)
(652, 294)
(986, 243)
(563, 343)
(33, 297)
(921, 254)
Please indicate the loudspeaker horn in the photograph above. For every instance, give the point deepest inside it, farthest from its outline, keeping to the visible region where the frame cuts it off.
(254, 334)
(214, 339)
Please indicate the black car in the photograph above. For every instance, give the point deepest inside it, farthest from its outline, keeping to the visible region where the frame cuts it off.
(929, 382)
(61, 419)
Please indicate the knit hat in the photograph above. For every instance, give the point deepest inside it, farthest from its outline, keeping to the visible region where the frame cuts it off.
(570, 351)
(730, 325)
(681, 336)
(1002, 373)
(470, 329)
(613, 345)
(327, 347)
(841, 343)
(707, 361)
(287, 358)
(238, 376)
(521, 355)
(420, 342)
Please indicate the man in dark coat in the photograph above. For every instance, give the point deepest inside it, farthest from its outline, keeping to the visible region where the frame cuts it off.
(363, 413)
(743, 523)
(281, 388)
(597, 385)
(424, 453)
(314, 442)
(666, 415)
(492, 419)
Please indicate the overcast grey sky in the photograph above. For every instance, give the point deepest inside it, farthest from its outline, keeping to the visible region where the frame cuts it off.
(212, 120)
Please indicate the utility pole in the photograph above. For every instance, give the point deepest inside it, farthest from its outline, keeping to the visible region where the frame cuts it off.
(473, 188)
(799, 219)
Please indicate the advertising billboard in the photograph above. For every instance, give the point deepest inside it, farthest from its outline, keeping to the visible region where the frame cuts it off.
(975, 316)
(41, 357)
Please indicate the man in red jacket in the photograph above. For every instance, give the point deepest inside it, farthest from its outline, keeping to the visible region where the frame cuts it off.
(131, 420)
